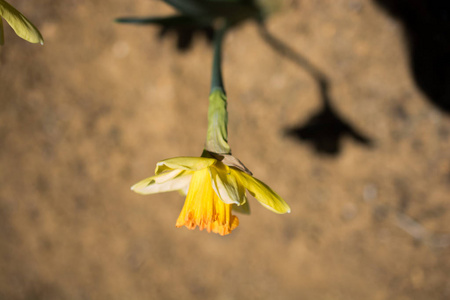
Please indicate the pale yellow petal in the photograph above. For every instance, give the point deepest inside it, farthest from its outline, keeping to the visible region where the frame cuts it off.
(163, 177)
(227, 187)
(165, 182)
(20, 24)
(264, 194)
(184, 163)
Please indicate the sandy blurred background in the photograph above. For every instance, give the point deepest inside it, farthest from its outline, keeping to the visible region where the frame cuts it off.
(88, 114)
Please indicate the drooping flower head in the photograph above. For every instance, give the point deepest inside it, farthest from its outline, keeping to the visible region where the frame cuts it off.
(21, 25)
(213, 190)
(215, 183)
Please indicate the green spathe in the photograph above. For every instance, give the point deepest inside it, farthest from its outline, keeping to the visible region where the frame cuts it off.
(19, 23)
(217, 134)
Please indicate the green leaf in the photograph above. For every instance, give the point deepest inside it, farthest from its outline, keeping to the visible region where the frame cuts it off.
(20, 24)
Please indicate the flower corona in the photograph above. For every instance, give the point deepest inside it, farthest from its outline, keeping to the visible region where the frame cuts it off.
(213, 190)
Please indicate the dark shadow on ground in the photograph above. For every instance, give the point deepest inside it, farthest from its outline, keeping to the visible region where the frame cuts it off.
(427, 28)
(326, 128)
(199, 17)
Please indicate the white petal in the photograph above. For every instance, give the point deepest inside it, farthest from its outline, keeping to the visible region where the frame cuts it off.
(164, 182)
(226, 186)
(163, 177)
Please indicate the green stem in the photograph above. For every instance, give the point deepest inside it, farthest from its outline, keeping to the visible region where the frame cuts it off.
(216, 79)
(217, 135)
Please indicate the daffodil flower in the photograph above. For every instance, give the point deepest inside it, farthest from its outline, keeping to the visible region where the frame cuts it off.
(213, 190)
(216, 182)
(19, 23)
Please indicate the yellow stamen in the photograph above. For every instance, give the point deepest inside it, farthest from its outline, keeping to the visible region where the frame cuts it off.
(203, 208)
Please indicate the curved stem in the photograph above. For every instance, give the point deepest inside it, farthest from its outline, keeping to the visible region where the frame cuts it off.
(217, 134)
(288, 52)
(216, 79)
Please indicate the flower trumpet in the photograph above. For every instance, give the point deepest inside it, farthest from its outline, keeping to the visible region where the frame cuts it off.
(213, 189)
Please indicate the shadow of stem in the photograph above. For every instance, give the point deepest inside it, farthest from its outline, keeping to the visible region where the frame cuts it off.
(326, 128)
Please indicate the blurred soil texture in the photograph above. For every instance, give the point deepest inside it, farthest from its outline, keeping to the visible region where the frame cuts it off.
(88, 114)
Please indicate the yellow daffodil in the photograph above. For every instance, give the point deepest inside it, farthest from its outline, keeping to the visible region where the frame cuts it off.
(213, 190)
(23, 28)
(216, 182)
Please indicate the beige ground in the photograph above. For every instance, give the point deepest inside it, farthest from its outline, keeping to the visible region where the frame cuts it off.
(90, 113)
